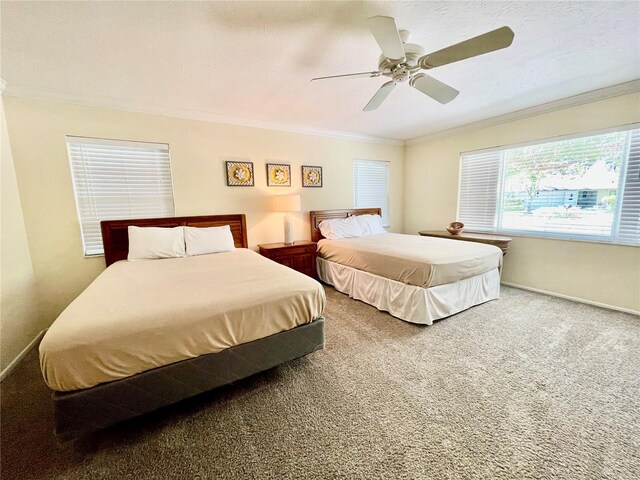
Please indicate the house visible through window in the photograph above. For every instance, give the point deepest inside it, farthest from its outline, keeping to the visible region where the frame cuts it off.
(371, 186)
(585, 187)
(118, 180)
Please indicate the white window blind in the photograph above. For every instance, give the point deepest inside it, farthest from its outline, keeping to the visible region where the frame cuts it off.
(583, 187)
(118, 180)
(371, 186)
(479, 190)
(629, 221)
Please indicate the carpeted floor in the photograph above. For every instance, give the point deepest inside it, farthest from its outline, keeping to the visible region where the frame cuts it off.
(529, 386)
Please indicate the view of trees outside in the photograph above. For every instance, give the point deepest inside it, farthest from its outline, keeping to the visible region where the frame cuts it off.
(568, 186)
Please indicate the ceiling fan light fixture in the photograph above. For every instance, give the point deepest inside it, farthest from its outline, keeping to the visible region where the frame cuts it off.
(400, 74)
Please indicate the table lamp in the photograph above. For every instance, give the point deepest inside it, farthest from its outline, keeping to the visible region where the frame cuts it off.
(286, 203)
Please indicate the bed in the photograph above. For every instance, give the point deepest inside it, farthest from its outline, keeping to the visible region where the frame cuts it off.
(417, 279)
(147, 334)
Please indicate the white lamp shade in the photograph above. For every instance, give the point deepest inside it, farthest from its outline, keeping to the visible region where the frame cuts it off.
(285, 203)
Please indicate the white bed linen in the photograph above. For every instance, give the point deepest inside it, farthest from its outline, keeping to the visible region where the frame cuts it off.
(412, 259)
(409, 302)
(141, 315)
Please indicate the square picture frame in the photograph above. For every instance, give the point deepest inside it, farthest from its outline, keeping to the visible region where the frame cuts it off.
(278, 175)
(240, 174)
(312, 176)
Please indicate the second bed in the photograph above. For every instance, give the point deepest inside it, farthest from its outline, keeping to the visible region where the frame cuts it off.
(417, 279)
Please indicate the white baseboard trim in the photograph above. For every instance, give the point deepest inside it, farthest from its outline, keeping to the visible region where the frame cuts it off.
(575, 299)
(21, 355)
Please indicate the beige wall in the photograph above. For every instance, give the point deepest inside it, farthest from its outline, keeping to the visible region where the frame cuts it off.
(38, 129)
(606, 274)
(44, 211)
(19, 319)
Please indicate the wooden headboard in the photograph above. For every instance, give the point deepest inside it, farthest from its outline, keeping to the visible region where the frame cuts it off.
(115, 236)
(320, 215)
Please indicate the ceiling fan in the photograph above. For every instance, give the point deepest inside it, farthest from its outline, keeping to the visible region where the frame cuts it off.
(402, 61)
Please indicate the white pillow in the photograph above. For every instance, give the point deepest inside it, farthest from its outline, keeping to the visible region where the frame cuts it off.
(337, 228)
(155, 242)
(201, 241)
(370, 224)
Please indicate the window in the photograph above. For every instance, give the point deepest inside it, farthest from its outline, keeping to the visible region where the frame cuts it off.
(585, 187)
(371, 186)
(118, 180)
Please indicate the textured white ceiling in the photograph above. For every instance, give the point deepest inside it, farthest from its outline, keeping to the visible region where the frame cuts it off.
(254, 60)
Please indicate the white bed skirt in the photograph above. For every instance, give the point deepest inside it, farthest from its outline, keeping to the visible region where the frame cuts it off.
(408, 302)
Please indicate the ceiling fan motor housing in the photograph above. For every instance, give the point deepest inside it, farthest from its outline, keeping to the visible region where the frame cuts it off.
(412, 52)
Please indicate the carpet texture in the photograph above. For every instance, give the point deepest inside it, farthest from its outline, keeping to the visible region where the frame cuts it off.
(528, 386)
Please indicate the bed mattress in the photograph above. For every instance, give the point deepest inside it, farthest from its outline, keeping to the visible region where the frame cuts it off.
(137, 316)
(411, 259)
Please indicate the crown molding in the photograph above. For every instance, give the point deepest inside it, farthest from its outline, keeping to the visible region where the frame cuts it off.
(580, 99)
(25, 92)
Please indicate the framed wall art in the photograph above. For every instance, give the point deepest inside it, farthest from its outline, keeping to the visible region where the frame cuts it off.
(278, 175)
(240, 174)
(311, 176)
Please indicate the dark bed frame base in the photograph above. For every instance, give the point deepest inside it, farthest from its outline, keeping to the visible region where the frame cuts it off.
(84, 411)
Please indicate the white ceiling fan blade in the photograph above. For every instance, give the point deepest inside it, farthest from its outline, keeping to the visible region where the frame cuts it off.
(379, 97)
(485, 43)
(386, 34)
(363, 74)
(440, 92)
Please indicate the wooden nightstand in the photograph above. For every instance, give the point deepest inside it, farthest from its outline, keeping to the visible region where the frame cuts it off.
(300, 256)
(498, 240)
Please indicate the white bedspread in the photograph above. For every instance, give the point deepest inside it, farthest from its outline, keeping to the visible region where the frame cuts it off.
(141, 315)
(412, 259)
